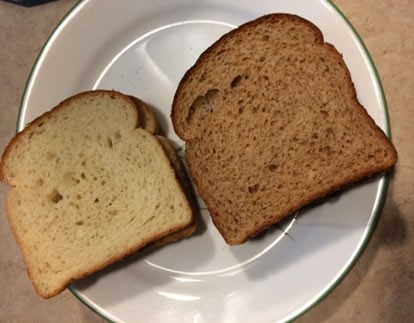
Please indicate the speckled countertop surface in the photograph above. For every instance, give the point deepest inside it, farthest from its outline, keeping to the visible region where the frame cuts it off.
(379, 288)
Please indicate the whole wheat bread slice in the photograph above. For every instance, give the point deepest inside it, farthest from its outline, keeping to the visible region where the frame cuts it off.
(88, 188)
(272, 122)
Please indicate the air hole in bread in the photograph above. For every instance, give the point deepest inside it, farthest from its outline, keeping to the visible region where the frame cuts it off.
(266, 37)
(329, 132)
(198, 103)
(55, 196)
(236, 81)
(273, 167)
(202, 77)
(110, 143)
(96, 200)
(325, 150)
(202, 105)
(50, 155)
(211, 97)
(83, 176)
(324, 113)
(254, 188)
(40, 182)
(40, 124)
(79, 222)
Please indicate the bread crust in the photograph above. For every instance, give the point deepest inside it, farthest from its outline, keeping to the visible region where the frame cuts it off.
(146, 116)
(192, 138)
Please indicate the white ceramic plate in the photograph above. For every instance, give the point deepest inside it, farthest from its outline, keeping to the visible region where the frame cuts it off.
(143, 48)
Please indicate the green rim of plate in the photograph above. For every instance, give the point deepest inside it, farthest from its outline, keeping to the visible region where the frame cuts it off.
(378, 207)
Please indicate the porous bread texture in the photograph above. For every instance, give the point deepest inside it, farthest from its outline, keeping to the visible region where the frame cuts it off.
(89, 188)
(271, 122)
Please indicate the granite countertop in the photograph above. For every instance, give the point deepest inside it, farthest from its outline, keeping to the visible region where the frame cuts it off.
(379, 287)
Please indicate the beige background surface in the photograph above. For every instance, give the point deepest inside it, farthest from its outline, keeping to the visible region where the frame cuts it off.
(379, 288)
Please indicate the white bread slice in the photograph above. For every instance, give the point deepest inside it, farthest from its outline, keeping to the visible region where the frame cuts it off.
(148, 121)
(89, 188)
(272, 123)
